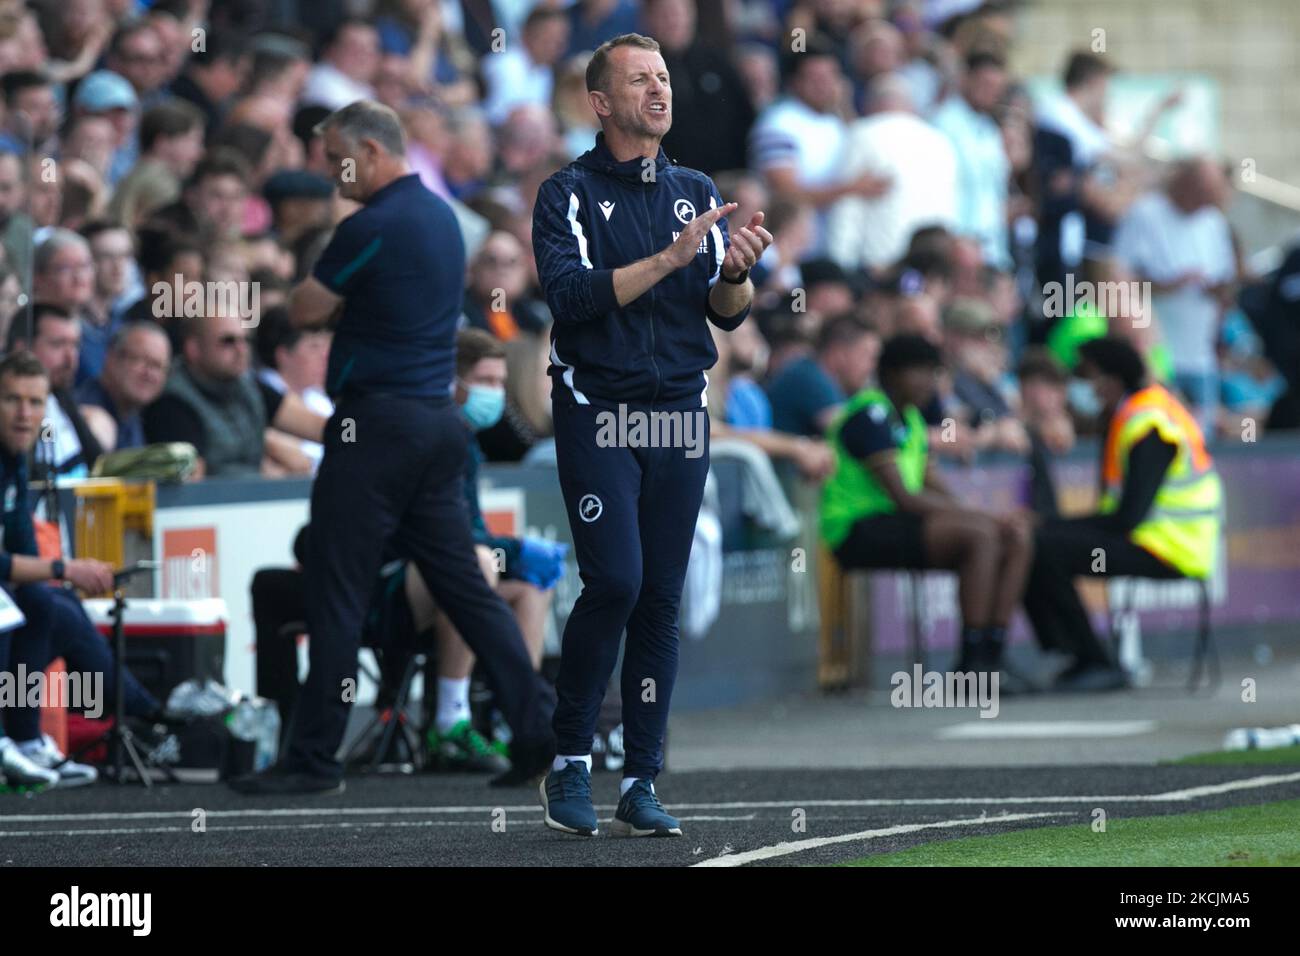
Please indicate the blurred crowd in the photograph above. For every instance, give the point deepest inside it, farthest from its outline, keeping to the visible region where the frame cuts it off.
(151, 152)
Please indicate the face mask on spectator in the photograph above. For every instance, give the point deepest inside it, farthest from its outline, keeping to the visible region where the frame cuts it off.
(484, 406)
(1083, 398)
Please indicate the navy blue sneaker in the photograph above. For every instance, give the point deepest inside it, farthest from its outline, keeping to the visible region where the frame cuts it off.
(566, 799)
(641, 814)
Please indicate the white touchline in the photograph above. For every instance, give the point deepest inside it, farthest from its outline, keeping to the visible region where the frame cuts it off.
(343, 825)
(799, 846)
(1045, 729)
(1170, 796)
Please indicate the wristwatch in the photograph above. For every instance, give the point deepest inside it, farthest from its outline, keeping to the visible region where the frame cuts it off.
(739, 280)
(57, 569)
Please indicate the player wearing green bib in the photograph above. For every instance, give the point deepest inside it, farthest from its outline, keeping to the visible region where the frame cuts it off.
(885, 506)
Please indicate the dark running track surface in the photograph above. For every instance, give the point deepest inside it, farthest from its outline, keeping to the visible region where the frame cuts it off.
(448, 820)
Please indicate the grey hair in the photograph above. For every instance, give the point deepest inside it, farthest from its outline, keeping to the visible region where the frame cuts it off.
(58, 240)
(117, 341)
(366, 119)
(463, 117)
(889, 89)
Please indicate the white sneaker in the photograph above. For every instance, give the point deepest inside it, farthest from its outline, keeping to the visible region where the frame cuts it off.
(45, 753)
(19, 771)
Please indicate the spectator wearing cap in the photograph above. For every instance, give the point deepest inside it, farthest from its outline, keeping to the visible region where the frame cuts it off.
(983, 169)
(104, 93)
(300, 202)
(807, 393)
(133, 376)
(294, 360)
(171, 144)
(32, 117)
(347, 68)
(712, 115)
(893, 143)
(213, 75)
(977, 358)
(524, 72)
(798, 142)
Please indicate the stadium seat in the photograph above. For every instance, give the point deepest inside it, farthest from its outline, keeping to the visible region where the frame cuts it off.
(1205, 648)
(845, 621)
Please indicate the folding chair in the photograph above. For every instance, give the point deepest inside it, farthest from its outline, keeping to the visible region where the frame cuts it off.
(1205, 647)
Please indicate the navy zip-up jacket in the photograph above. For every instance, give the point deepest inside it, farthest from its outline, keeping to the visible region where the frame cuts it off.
(594, 216)
(19, 534)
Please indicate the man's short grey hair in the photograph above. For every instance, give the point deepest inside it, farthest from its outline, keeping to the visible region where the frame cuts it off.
(462, 118)
(58, 240)
(889, 90)
(366, 119)
(117, 341)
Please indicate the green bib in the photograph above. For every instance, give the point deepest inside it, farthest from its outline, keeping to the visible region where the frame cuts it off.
(852, 492)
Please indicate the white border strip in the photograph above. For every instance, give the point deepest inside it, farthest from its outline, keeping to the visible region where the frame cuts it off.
(799, 846)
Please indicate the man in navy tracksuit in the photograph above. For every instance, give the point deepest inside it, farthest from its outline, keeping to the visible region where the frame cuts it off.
(395, 453)
(634, 258)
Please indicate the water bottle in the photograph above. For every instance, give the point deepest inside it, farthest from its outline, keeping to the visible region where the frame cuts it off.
(1262, 738)
(256, 720)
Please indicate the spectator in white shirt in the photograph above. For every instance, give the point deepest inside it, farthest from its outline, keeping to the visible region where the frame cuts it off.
(1178, 239)
(798, 141)
(892, 143)
(983, 170)
(347, 68)
(524, 72)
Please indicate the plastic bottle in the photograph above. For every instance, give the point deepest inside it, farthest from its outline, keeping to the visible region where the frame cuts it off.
(1262, 738)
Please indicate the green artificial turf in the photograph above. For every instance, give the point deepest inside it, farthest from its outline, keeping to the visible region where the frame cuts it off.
(1263, 835)
(1225, 758)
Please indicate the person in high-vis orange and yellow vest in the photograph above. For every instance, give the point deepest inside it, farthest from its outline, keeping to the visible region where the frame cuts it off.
(1160, 513)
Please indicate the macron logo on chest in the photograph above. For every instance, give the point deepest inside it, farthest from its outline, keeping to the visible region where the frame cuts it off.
(607, 207)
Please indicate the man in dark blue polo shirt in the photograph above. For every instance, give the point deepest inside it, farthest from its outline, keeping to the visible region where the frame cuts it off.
(395, 451)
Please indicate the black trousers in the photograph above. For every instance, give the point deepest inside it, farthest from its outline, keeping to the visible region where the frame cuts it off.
(632, 511)
(393, 475)
(279, 599)
(1068, 548)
